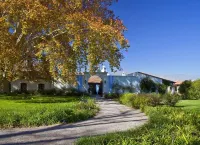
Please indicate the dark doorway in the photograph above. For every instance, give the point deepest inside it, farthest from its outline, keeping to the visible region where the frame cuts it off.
(92, 88)
(23, 87)
(93, 82)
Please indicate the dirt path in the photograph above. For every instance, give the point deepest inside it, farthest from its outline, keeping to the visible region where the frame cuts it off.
(112, 117)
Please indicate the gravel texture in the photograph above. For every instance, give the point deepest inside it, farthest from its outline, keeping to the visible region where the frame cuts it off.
(112, 117)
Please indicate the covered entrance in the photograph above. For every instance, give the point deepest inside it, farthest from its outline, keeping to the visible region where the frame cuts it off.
(95, 85)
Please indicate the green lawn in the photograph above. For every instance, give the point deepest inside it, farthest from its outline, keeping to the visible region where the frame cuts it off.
(189, 104)
(20, 111)
(166, 126)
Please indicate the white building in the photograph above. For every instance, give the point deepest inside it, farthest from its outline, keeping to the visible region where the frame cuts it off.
(87, 83)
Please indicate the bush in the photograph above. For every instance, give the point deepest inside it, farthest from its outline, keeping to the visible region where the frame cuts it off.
(184, 89)
(111, 95)
(162, 88)
(140, 100)
(52, 92)
(171, 100)
(154, 99)
(73, 92)
(194, 91)
(127, 98)
(147, 85)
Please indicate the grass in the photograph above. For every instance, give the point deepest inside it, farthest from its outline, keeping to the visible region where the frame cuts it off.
(189, 104)
(20, 111)
(166, 126)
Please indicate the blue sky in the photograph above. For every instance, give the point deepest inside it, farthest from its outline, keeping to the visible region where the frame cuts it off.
(164, 37)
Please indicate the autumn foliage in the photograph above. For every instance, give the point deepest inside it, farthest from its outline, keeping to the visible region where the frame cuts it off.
(53, 39)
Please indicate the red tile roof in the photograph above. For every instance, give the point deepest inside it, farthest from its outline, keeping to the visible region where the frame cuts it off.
(94, 79)
(178, 83)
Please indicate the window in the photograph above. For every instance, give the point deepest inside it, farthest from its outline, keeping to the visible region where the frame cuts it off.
(41, 87)
(23, 87)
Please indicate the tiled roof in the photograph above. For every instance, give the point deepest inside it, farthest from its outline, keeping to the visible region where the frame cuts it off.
(94, 79)
(178, 83)
(155, 76)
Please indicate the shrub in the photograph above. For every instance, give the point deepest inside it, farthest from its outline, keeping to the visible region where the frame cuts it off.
(47, 92)
(74, 92)
(127, 98)
(52, 92)
(111, 95)
(143, 100)
(154, 99)
(194, 91)
(184, 89)
(15, 92)
(140, 101)
(147, 85)
(171, 100)
(162, 88)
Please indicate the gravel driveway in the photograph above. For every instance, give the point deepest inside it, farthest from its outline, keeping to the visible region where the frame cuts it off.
(112, 117)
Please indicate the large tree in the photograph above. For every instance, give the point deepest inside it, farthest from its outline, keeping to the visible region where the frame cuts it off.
(54, 38)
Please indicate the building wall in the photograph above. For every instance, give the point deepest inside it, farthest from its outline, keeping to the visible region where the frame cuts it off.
(82, 82)
(141, 76)
(58, 85)
(31, 85)
(126, 81)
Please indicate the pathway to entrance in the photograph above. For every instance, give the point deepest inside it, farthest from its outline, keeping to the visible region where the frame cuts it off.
(112, 117)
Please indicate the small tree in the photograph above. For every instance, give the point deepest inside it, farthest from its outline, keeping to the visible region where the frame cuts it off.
(194, 91)
(147, 85)
(184, 88)
(162, 88)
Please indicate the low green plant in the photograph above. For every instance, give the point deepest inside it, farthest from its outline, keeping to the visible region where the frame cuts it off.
(53, 92)
(140, 100)
(111, 96)
(127, 98)
(171, 99)
(161, 88)
(154, 99)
